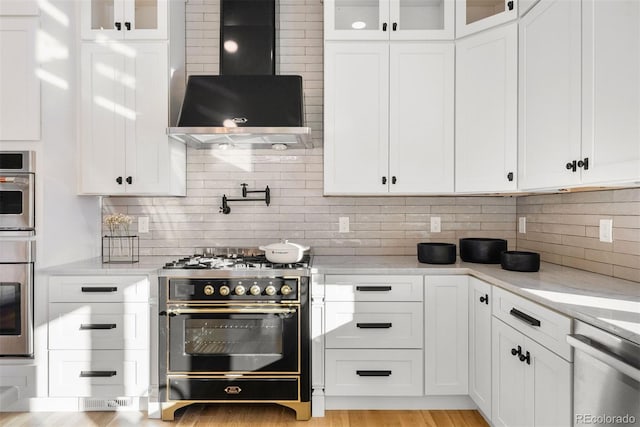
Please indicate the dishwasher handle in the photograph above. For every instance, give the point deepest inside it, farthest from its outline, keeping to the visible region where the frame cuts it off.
(582, 343)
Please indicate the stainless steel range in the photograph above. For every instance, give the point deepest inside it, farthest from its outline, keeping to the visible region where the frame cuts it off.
(234, 328)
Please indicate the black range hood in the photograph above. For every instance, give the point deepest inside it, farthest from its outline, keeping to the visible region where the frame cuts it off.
(247, 106)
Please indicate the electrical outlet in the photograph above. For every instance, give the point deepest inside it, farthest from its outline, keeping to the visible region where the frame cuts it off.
(522, 224)
(606, 230)
(143, 224)
(343, 224)
(435, 224)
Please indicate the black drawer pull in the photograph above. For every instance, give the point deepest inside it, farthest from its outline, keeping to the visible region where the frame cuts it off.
(524, 317)
(373, 325)
(373, 288)
(99, 289)
(373, 373)
(98, 374)
(86, 326)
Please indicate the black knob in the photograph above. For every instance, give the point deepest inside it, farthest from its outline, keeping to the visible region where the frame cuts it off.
(485, 299)
(510, 176)
(118, 26)
(129, 180)
(384, 180)
(572, 166)
(510, 5)
(384, 26)
(393, 180)
(119, 180)
(526, 358)
(127, 26)
(517, 352)
(584, 163)
(395, 26)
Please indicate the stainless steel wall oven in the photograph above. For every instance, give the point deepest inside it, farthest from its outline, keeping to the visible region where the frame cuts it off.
(240, 338)
(17, 199)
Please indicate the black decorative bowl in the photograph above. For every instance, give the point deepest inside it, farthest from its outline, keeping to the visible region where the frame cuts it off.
(482, 250)
(520, 261)
(437, 253)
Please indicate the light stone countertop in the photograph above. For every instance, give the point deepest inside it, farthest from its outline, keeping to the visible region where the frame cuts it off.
(606, 302)
(603, 301)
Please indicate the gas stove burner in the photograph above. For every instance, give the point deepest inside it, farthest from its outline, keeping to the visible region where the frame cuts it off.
(232, 259)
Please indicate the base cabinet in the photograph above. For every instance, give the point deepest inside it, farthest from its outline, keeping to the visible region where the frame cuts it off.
(480, 300)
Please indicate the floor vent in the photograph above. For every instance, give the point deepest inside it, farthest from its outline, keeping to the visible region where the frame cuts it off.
(93, 404)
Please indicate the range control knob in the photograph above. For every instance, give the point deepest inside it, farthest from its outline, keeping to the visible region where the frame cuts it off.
(240, 290)
(224, 291)
(270, 290)
(286, 290)
(208, 290)
(255, 290)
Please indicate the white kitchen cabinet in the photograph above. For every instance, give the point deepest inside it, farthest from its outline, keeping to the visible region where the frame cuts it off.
(124, 19)
(531, 384)
(19, 7)
(125, 97)
(388, 19)
(388, 118)
(574, 133)
(446, 335)
(480, 300)
(19, 82)
(486, 111)
(477, 15)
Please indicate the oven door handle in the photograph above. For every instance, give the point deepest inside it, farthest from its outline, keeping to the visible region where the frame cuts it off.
(179, 311)
(582, 343)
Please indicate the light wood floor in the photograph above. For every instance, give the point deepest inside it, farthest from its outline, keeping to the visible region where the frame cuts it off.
(238, 415)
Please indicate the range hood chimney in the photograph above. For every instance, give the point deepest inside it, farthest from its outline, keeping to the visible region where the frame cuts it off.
(247, 105)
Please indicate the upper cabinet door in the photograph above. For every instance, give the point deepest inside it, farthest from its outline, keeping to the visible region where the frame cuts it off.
(611, 91)
(388, 19)
(549, 128)
(477, 15)
(124, 19)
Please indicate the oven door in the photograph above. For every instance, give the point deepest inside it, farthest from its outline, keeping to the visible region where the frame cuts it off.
(16, 318)
(16, 202)
(233, 339)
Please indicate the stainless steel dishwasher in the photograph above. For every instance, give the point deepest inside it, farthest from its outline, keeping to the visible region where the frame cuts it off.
(606, 378)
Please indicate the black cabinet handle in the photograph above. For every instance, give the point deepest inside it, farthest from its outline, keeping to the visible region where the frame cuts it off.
(384, 180)
(485, 299)
(118, 26)
(129, 180)
(119, 180)
(384, 26)
(510, 5)
(373, 325)
(584, 163)
(86, 326)
(524, 317)
(393, 180)
(99, 289)
(572, 166)
(526, 358)
(98, 374)
(517, 352)
(373, 288)
(127, 25)
(373, 373)
(510, 176)
(395, 26)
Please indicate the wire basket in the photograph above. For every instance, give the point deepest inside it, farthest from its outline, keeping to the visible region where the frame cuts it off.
(120, 249)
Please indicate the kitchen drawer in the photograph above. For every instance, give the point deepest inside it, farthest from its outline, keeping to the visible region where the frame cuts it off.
(98, 373)
(373, 325)
(373, 373)
(535, 321)
(98, 326)
(373, 288)
(98, 288)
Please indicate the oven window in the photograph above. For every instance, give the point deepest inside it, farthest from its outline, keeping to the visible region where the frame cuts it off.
(246, 336)
(10, 202)
(10, 308)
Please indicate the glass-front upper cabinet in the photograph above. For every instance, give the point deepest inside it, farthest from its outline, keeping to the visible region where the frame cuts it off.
(477, 15)
(388, 19)
(124, 19)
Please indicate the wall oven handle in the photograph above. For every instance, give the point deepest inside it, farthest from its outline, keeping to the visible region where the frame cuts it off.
(178, 311)
(582, 343)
